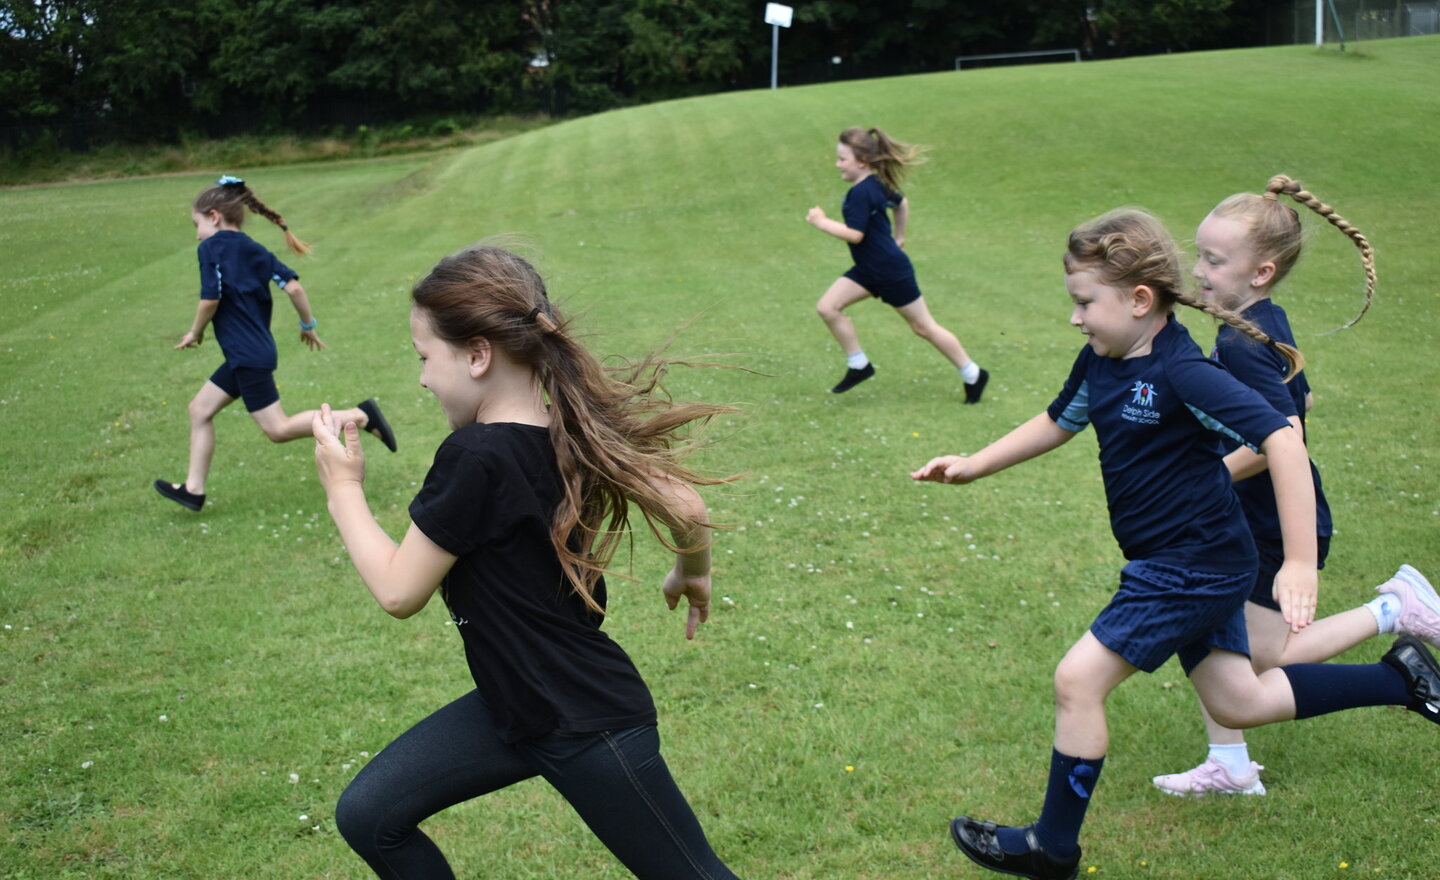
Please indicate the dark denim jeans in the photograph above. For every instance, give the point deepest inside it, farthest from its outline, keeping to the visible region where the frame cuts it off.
(616, 780)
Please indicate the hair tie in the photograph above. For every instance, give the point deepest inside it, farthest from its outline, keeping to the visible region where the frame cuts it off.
(530, 318)
(227, 180)
(284, 228)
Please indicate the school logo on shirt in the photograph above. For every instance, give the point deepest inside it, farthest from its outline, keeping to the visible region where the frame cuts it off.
(1141, 407)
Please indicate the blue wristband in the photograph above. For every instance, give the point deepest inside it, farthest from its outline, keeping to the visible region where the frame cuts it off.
(311, 326)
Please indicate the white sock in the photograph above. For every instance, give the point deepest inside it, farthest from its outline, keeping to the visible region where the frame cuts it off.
(970, 372)
(1234, 758)
(857, 361)
(1386, 607)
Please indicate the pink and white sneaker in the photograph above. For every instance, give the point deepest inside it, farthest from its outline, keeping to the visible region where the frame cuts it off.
(1210, 778)
(1420, 605)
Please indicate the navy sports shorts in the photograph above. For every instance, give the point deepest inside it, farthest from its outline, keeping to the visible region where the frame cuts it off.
(256, 387)
(895, 292)
(1163, 610)
(1271, 556)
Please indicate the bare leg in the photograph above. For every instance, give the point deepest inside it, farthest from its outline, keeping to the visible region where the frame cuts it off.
(1236, 696)
(281, 428)
(1083, 680)
(1329, 636)
(840, 296)
(927, 328)
(204, 406)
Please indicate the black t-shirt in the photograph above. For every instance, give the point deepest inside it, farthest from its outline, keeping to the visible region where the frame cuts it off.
(877, 255)
(237, 271)
(536, 652)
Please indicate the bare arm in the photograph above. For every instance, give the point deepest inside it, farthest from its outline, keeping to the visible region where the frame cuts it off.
(204, 312)
(690, 577)
(1295, 583)
(301, 302)
(1035, 437)
(1245, 462)
(816, 217)
(902, 219)
(402, 577)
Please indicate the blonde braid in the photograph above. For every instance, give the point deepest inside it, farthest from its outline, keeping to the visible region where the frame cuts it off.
(1291, 354)
(1292, 188)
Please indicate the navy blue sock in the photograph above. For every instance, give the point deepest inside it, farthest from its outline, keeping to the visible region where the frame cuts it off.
(1322, 688)
(1072, 780)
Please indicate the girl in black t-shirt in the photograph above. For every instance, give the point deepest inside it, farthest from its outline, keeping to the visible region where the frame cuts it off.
(523, 508)
(875, 163)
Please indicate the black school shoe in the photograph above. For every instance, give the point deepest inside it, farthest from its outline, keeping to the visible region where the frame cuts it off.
(853, 377)
(1422, 675)
(973, 390)
(978, 841)
(377, 424)
(180, 495)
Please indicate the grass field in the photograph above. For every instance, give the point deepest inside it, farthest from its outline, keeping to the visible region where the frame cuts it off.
(184, 696)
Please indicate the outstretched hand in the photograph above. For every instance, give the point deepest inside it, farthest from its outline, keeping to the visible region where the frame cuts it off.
(337, 462)
(695, 589)
(191, 340)
(946, 469)
(311, 340)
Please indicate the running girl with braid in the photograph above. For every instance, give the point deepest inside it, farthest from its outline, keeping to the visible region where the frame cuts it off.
(1244, 249)
(1156, 402)
(522, 511)
(875, 163)
(235, 276)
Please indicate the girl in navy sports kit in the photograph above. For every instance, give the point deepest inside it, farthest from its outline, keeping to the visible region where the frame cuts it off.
(521, 512)
(1244, 248)
(875, 164)
(1156, 401)
(235, 276)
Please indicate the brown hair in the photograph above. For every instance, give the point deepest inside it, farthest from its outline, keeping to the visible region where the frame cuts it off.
(614, 429)
(1276, 236)
(882, 154)
(1129, 248)
(231, 197)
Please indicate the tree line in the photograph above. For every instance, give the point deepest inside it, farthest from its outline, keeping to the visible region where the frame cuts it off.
(153, 70)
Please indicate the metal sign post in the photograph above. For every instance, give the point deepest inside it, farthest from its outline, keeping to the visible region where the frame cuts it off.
(777, 16)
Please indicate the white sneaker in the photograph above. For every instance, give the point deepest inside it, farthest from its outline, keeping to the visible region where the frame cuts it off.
(1210, 778)
(1420, 605)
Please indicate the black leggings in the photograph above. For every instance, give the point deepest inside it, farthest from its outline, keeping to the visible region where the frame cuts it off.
(616, 780)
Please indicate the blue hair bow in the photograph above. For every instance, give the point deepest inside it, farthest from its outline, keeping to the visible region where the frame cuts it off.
(227, 180)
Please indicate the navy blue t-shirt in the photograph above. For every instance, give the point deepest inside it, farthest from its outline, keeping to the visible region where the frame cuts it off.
(237, 271)
(1263, 368)
(877, 255)
(536, 652)
(1156, 419)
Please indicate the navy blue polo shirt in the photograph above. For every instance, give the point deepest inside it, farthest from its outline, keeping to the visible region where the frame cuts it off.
(1263, 368)
(877, 255)
(1156, 419)
(237, 272)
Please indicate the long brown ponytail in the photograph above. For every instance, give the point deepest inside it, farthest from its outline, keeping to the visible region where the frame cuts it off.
(886, 157)
(614, 429)
(230, 196)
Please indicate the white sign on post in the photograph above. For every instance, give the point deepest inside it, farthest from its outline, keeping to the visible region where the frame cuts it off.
(777, 15)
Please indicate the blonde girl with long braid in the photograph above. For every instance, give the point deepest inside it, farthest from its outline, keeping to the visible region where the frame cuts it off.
(875, 163)
(1245, 247)
(522, 511)
(235, 277)
(1157, 403)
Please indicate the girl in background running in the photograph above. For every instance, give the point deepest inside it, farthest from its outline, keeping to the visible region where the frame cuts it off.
(235, 276)
(875, 163)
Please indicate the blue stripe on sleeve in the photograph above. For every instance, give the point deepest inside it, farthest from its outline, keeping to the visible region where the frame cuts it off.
(1215, 425)
(1077, 412)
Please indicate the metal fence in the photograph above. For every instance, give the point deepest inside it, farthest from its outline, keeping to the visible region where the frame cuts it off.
(1357, 20)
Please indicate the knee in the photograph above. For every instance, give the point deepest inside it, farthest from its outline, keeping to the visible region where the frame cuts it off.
(1072, 686)
(355, 820)
(274, 436)
(826, 311)
(199, 413)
